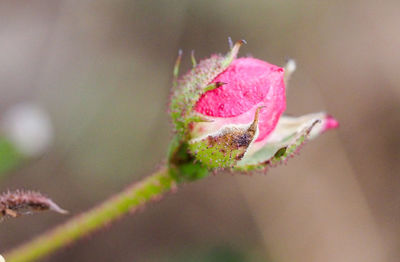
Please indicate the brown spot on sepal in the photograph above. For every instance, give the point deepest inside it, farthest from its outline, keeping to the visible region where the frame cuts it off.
(227, 147)
(235, 138)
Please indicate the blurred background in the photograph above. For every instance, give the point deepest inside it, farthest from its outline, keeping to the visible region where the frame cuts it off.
(101, 73)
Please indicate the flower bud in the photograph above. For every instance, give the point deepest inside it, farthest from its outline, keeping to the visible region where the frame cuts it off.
(229, 111)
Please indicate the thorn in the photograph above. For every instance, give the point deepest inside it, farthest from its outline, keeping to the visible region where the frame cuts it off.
(230, 42)
(253, 126)
(233, 52)
(176, 68)
(194, 63)
(214, 86)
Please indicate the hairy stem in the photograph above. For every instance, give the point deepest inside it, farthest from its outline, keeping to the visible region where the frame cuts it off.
(136, 195)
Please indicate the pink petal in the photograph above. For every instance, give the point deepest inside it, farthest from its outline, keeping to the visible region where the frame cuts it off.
(330, 123)
(250, 83)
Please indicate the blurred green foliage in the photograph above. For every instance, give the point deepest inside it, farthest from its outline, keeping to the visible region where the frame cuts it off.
(215, 254)
(9, 156)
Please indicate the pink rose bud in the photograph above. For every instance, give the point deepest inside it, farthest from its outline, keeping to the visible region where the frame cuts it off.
(229, 111)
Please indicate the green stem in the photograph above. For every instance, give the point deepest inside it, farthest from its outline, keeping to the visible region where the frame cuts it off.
(130, 199)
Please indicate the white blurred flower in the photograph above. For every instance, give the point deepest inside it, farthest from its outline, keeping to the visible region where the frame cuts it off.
(2, 259)
(28, 127)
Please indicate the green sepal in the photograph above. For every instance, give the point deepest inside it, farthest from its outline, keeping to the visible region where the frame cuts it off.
(273, 154)
(182, 165)
(188, 89)
(218, 155)
(233, 53)
(226, 147)
(289, 151)
(260, 159)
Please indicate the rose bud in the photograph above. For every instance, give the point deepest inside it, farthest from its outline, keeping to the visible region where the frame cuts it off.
(229, 112)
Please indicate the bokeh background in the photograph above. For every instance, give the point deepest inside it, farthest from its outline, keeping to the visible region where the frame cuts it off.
(102, 71)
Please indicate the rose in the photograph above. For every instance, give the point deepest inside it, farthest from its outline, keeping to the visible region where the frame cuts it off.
(251, 84)
(229, 110)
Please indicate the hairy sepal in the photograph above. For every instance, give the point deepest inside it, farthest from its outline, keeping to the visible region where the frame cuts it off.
(196, 82)
(183, 166)
(226, 147)
(284, 142)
